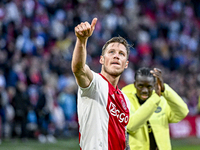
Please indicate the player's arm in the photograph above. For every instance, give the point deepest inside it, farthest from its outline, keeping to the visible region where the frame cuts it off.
(140, 116)
(177, 107)
(82, 72)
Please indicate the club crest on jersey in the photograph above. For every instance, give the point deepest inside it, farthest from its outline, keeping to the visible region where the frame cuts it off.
(115, 112)
(123, 104)
(158, 109)
(113, 96)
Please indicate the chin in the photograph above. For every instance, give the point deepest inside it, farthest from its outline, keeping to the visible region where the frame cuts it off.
(113, 71)
(143, 99)
(116, 73)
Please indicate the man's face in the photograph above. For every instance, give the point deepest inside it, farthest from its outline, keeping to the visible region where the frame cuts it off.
(114, 60)
(144, 86)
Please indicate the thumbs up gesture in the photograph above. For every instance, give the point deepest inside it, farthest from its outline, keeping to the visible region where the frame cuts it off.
(85, 29)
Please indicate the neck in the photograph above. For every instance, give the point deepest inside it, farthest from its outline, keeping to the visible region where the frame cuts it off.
(112, 79)
(140, 101)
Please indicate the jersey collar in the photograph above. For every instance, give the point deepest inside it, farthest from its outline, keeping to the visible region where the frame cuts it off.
(117, 90)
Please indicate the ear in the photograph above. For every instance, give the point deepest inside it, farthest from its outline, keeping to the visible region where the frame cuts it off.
(101, 60)
(126, 65)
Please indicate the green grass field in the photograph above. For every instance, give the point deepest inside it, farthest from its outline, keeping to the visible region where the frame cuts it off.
(72, 144)
(186, 144)
(61, 144)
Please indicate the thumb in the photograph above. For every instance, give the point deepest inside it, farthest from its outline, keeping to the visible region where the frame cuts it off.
(94, 21)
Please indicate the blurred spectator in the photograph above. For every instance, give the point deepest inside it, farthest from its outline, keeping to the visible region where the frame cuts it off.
(67, 101)
(21, 105)
(3, 103)
(58, 119)
(198, 106)
(43, 110)
(9, 112)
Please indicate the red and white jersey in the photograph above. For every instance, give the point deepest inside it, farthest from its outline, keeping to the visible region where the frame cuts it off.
(103, 113)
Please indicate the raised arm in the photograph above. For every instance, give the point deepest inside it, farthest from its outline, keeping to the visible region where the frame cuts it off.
(140, 116)
(178, 108)
(82, 72)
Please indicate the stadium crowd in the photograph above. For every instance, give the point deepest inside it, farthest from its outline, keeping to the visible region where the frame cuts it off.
(38, 90)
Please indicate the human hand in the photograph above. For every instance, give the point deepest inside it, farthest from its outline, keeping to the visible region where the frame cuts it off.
(157, 73)
(85, 30)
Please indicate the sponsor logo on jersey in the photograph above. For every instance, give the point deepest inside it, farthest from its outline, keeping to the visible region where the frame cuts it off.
(115, 112)
(158, 109)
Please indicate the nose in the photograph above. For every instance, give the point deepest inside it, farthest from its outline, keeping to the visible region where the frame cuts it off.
(116, 55)
(144, 90)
